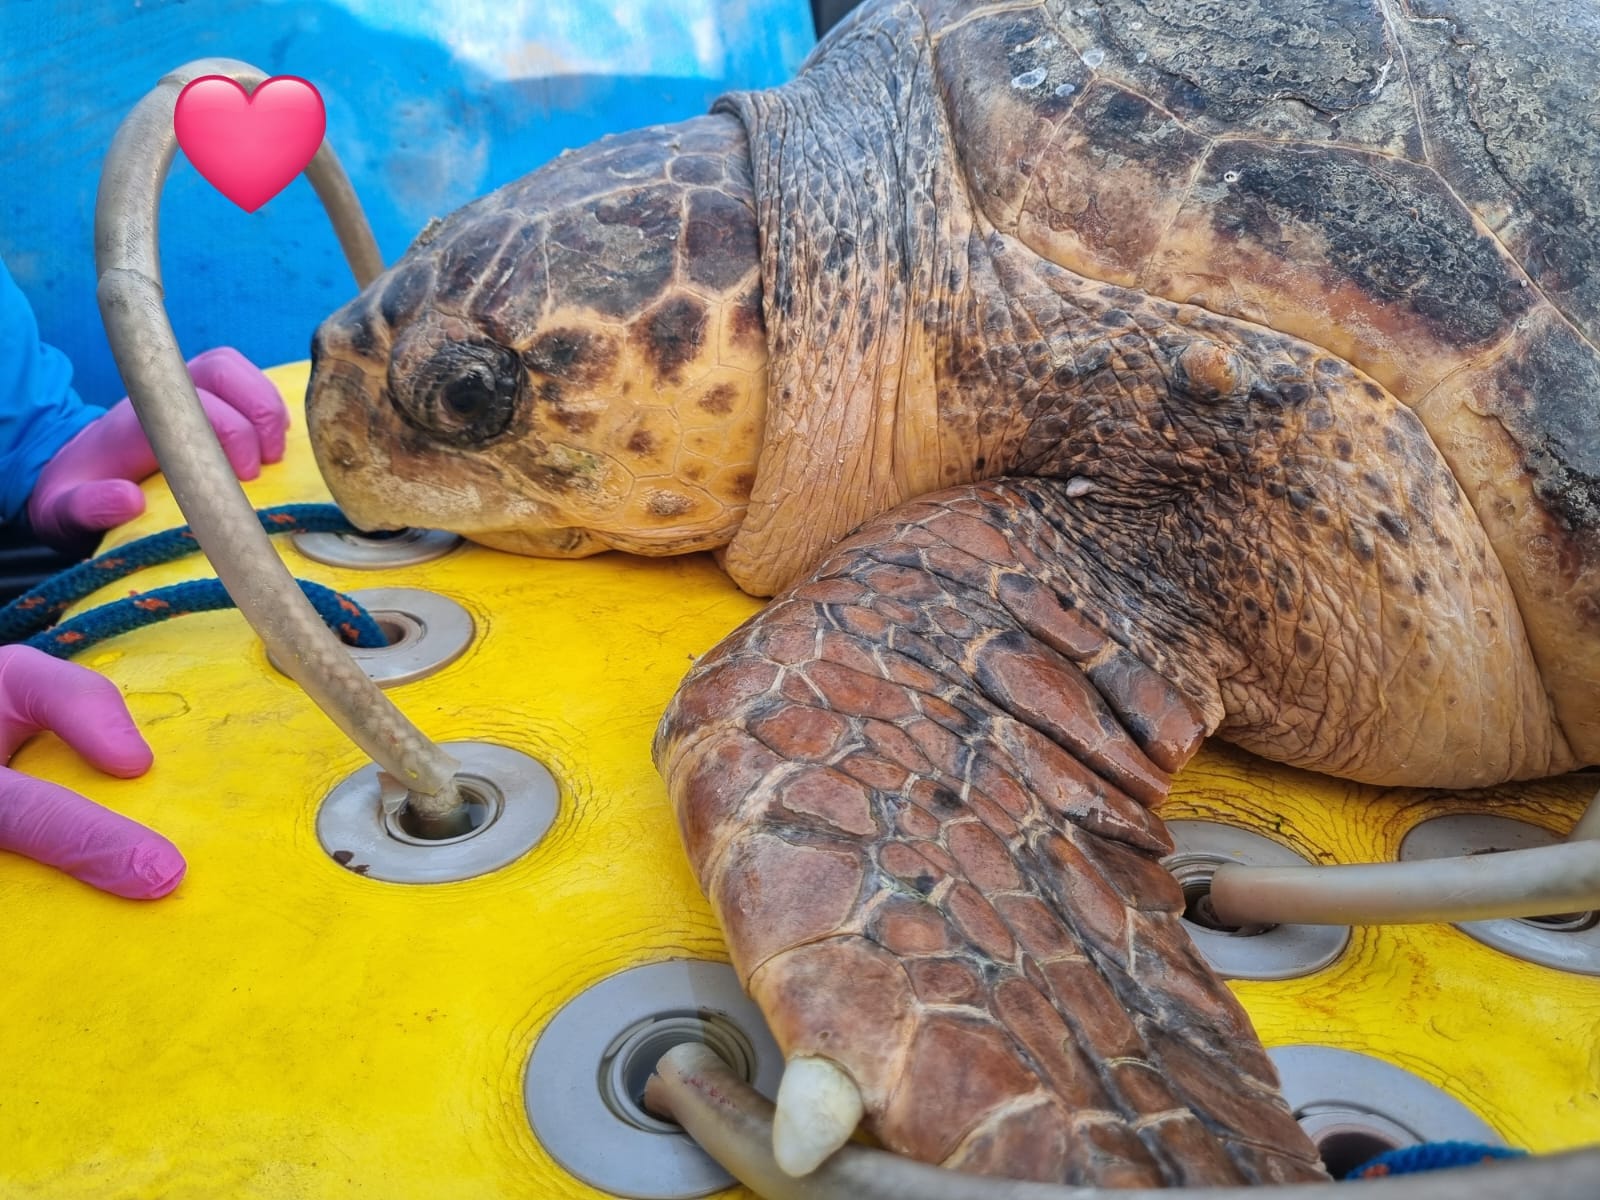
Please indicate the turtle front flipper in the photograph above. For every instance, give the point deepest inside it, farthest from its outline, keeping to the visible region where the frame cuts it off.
(917, 789)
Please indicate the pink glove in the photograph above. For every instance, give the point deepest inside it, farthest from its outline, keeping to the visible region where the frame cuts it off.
(92, 482)
(52, 825)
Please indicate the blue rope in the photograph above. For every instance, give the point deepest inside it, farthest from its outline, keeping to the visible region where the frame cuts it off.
(37, 610)
(28, 618)
(342, 614)
(1431, 1156)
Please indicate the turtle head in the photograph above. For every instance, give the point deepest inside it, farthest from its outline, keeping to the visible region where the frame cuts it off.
(574, 363)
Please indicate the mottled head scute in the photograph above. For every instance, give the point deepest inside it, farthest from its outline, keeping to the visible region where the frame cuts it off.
(571, 364)
(1082, 380)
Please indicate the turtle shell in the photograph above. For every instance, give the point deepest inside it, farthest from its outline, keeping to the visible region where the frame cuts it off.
(1409, 187)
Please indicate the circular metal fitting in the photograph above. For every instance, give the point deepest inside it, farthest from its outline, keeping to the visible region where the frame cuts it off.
(630, 1060)
(510, 804)
(1355, 1107)
(586, 1075)
(1347, 1138)
(1250, 951)
(1565, 941)
(426, 631)
(402, 548)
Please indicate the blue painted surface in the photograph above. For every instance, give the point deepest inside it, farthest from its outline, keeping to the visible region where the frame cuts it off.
(430, 103)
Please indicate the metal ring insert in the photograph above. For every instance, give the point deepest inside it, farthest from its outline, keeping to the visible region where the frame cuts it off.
(1255, 951)
(1565, 941)
(1347, 1137)
(402, 548)
(588, 1069)
(426, 631)
(481, 805)
(509, 802)
(630, 1060)
(1354, 1107)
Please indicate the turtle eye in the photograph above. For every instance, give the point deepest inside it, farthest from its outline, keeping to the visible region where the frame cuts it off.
(466, 394)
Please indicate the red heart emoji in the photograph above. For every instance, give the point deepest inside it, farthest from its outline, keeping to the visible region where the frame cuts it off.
(249, 146)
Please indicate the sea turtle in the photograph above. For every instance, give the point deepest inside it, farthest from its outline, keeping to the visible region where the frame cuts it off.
(1083, 380)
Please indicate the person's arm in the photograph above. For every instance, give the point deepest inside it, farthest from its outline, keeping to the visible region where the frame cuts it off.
(75, 469)
(39, 411)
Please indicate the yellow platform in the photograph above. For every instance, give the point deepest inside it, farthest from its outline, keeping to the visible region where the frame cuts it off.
(282, 1027)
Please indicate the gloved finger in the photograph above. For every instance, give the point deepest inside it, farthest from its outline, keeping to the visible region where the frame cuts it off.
(239, 382)
(116, 447)
(83, 707)
(240, 440)
(112, 447)
(55, 826)
(64, 517)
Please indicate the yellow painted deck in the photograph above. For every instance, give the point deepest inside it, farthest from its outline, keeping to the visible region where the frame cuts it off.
(283, 1028)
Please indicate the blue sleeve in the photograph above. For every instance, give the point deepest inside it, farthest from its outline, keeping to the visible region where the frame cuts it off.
(39, 411)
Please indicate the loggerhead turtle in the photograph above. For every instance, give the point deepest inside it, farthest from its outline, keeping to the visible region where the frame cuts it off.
(1083, 380)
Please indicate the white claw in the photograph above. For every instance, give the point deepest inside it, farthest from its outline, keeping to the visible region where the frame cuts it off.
(819, 1107)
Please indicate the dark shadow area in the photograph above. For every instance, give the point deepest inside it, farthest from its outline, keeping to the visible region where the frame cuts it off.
(24, 563)
(825, 14)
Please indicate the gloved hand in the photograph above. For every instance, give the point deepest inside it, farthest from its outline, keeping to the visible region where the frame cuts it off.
(92, 482)
(53, 825)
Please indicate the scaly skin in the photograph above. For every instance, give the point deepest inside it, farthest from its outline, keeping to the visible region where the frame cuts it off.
(1169, 397)
(917, 789)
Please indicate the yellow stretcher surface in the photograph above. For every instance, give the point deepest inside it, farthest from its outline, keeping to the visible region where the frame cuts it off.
(283, 1027)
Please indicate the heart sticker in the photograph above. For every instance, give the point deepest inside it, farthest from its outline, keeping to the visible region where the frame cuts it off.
(249, 146)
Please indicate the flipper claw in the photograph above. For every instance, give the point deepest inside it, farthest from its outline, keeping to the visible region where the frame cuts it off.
(819, 1107)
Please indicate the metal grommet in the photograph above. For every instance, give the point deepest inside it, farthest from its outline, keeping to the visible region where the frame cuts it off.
(512, 801)
(426, 631)
(402, 548)
(1355, 1107)
(1347, 1138)
(1565, 941)
(630, 1059)
(585, 1077)
(1256, 951)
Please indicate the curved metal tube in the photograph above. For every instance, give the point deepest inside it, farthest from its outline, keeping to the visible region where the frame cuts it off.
(1513, 883)
(732, 1122)
(127, 212)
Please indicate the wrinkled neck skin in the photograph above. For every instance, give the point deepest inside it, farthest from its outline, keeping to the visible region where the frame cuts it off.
(851, 237)
(912, 348)
(1250, 515)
